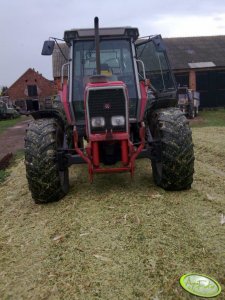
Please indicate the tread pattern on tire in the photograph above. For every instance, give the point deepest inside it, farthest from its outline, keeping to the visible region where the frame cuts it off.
(177, 155)
(42, 170)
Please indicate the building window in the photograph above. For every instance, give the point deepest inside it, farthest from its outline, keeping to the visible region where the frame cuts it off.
(32, 90)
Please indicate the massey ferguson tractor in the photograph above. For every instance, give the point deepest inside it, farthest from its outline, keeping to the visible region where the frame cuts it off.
(119, 105)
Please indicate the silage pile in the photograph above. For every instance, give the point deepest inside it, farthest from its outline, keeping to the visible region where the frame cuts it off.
(117, 238)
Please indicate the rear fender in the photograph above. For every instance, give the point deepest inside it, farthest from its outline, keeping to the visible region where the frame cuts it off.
(162, 103)
(44, 114)
(162, 100)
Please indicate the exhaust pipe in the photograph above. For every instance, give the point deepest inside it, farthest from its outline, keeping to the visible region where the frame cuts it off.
(97, 46)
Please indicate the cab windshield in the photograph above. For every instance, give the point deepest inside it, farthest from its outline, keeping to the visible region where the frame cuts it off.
(115, 61)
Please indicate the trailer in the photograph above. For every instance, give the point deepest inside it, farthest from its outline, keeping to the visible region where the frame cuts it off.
(188, 101)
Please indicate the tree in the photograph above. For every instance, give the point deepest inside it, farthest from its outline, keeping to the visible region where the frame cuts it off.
(3, 91)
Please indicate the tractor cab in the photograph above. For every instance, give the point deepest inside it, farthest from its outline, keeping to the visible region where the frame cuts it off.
(117, 62)
(122, 57)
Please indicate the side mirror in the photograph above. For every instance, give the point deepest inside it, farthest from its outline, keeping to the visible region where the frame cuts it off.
(158, 42)
(48, 48)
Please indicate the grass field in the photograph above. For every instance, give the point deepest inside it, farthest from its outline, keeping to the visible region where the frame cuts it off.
(3, 175)
(4, 124)
(118, 238)
(210, 118)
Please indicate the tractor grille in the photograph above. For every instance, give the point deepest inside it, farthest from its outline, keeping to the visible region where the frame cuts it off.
(107, 103)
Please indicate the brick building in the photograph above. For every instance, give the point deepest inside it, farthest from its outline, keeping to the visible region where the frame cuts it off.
(31, 90)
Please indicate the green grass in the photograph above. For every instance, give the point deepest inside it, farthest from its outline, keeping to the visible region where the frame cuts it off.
(211, 118)
(5, 124)
(3, 175)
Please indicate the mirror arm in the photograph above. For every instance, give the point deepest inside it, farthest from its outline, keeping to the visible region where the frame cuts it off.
(56, 39)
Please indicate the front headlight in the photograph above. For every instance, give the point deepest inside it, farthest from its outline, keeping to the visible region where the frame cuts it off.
(118, 121)
(98, 122)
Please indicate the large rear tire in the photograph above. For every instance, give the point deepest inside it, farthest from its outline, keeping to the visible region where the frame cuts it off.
(46, 181)
(174, 170)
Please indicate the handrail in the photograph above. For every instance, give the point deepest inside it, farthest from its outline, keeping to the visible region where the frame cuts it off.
(62, 72)
(143, 67)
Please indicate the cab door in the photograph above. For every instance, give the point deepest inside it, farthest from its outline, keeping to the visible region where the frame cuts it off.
(152, 52)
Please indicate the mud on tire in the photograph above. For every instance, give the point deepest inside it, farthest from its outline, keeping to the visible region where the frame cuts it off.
(174, 170)
(46, 182)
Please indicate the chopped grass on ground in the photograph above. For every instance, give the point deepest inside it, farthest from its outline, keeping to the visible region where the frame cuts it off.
(209, 118)
(117, 238)
(18, 155)
(15, 160)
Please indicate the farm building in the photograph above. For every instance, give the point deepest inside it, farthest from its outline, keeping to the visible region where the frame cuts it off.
(197, 62)
(31, 90)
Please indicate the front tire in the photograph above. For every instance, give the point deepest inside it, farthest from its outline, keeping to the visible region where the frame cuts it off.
(174, 170)
(46, 181)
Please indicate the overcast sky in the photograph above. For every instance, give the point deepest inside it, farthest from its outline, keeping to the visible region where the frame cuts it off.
(25, 24)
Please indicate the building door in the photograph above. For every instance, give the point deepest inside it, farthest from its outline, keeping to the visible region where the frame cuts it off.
(35, 104)
(202, 86)
(211, 85)
(220, 88)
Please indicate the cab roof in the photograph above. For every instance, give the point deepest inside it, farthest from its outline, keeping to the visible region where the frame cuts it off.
(109, 32)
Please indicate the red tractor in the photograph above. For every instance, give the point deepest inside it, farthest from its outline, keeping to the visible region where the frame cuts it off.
(119, 105)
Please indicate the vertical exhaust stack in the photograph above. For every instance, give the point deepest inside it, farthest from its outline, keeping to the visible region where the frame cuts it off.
(97, 46)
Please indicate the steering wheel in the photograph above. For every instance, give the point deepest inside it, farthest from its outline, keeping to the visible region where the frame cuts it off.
(112, 59)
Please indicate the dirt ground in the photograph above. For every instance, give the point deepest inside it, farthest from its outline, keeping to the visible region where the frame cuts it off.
(116, 238)
(12, 139)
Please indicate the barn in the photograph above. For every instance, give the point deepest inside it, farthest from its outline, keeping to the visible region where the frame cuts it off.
(31, 90)
(199, 62)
